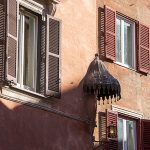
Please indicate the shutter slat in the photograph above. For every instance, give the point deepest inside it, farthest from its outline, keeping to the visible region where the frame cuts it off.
(110, 33)
(145, 134)
(143, 48)
(53, 57)
(2, 39)
(11, 39)
(112, 117)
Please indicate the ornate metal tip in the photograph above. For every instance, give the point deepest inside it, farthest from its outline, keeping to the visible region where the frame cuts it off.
(96, 55)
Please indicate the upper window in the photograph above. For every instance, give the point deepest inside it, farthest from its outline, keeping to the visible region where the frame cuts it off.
(27, 51)
(120, 43)
(33, 49)
(127, 134)
(125, 42)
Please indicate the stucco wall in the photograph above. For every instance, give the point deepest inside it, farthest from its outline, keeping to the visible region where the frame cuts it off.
(27, 128)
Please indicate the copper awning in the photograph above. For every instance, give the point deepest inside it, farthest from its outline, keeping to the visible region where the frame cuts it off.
(100, 82)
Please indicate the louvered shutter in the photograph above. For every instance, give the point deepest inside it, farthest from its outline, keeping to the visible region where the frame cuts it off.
(42, 53)
(110, 33)
(53, 57)
(145, 134)
(11, 39)
(112, 118)
(143, 48)
(102, 131)
(102, 126)
(2, 39)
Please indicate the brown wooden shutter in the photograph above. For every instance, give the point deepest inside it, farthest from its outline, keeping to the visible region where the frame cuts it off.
(53, 57)
(138, 125)
(110, 33)
(42, 53)
(112, 117)
(143, 48)
(102, 126)
(11, 39)
(2, 39)
(145, 134)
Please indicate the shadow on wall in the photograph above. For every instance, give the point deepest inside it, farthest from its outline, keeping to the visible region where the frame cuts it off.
(29, 128)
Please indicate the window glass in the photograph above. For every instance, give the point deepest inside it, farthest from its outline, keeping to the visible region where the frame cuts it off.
(130, 135)
(125, 42)
(118, 40)
(128, 44)
(27, 51)
(120, 134)
(126, 134)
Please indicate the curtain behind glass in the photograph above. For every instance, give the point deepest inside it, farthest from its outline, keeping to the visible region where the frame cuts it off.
(120, 134)
(130, 135)
(128, 44)
(29, 52)
(118, 40)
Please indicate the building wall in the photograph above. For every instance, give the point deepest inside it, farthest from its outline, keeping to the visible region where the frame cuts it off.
(24, 127)
(134, 85)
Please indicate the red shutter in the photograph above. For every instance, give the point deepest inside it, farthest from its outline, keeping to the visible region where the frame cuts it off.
(11, 39)
(144, 48)
(110, 33)
(145, 134)
(2, 39)
(53, 57)
(112, 118)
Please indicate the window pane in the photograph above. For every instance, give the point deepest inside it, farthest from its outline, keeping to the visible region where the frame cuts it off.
(29, 52)
(120, 134)
(128, 44)
(118, 40)
(130, 135)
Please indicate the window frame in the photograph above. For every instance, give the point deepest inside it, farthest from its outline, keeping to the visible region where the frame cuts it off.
(123, 19)
(22, 86)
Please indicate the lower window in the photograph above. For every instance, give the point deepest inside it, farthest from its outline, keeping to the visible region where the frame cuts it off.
(127, 137)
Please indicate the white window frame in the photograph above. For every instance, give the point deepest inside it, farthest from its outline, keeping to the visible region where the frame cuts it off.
(22, 86)
(122, 42)
(125, 135)
(32, 5)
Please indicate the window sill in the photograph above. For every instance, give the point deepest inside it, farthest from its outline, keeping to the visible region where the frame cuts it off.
(125, 66)
(19, 93)
(28, 91)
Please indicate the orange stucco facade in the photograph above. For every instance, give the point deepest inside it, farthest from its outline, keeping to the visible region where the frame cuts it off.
(37, 124)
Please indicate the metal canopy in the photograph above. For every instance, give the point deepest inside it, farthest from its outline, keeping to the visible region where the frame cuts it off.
(100, 82)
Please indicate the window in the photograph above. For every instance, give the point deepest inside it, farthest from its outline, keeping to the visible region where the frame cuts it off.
(119, 43)
(33, 49)
(27, 51)
(126, 134)
(125, 42)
